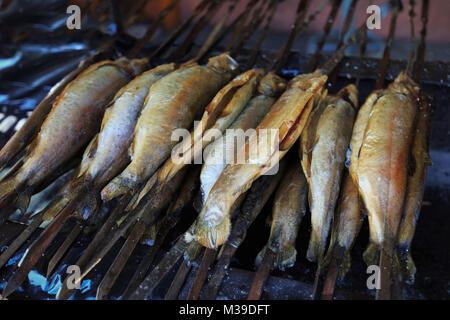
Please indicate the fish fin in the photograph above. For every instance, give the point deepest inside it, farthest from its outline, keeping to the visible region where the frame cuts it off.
(193, 251)
(67, 194)
(371, 255)
(8, 191)
(286, 257)
(212, 236)
(427, 160)
(23, 200)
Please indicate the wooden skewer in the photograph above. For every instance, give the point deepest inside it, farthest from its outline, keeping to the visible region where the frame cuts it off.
(37, 248)
(118, 264)
(65, 292)
(387, 49)
(208, 258)
(178, 281)
(261, 275)
(73, 235)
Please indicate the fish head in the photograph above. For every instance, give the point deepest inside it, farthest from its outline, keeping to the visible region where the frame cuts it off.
(223, 64)
(271, 85)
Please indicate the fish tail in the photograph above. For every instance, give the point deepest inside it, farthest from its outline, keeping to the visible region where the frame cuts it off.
(407, 264)
(315, 249)
(68, 194)
(116, 187)
(371, 255)
(286, 257)
(345, 263)
(89, 206)
(212, 236)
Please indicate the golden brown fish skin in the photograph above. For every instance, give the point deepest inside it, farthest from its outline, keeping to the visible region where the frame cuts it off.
(269, 87)
(359, 129)
(288, 115)
(218, 115)
(330, 140)
(172, 103)
(74, 119)
(346, 224)
(383, 161)
(415, 184)
(289, 207)
(107, 152)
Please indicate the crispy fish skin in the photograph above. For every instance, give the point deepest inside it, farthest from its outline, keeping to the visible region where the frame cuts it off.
(288, 116)
(219, 114)
(75, 117)
(172, 103)
(269, 87)
(107, 154)
(415, 185)
(289, 207)
(346, 224)
(383, 161)
(331, 138)
(358, 132)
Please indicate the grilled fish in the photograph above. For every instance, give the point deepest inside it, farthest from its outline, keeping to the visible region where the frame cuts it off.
(324, 149)
(382, 162)
(415, 185)
(287, 119)
(74, 119)
(269, 88)
(289, 207)
(107, 154)
(219, 114)
(346, 224)
(173, 102)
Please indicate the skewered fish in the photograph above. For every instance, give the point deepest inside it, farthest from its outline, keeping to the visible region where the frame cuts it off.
(172, 103)
(415, 185)
(215, 161)
(289, 207)
(288, 117)
(346, 224)
(219, 114)
(73, 120)
(381, 165)
(324, 146)
(107, 154)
